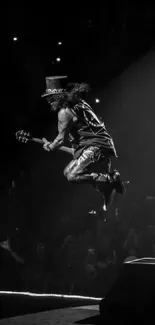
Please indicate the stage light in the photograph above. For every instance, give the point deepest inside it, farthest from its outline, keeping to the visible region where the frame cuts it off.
(58, 59)
(15, 39)
(59, 43)
(97, 100)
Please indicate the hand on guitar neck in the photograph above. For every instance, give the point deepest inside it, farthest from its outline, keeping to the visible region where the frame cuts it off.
(62, 148)
(25, 137)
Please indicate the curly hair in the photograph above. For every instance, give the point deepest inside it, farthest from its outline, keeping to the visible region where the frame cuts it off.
(77, 91)
(74, 93)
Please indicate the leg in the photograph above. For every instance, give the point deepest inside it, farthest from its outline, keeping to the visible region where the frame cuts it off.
(78, 170)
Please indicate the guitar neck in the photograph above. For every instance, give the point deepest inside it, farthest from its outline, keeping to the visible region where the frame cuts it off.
(62, 148)
(37, 140)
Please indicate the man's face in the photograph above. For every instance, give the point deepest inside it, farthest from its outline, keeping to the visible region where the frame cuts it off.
(53, 102)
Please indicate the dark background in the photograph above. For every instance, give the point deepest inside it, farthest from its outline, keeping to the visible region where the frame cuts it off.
(112, 48)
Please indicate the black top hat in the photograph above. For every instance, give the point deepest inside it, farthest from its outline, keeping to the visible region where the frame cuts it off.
(53, 86)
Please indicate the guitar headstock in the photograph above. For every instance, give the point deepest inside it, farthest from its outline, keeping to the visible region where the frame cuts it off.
(23, 136)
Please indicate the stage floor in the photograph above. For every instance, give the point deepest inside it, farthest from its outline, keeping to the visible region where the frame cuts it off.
(65, 316)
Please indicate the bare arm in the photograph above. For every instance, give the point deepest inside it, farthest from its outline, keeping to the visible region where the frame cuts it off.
(67, 149)
(65, 120)
(47, 143)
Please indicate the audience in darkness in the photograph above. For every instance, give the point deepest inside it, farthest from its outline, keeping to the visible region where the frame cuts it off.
(85, 253)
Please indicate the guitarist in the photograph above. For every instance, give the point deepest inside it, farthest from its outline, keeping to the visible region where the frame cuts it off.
(91, 143)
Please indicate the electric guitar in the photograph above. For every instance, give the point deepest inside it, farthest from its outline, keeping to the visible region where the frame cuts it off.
(25, 137)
